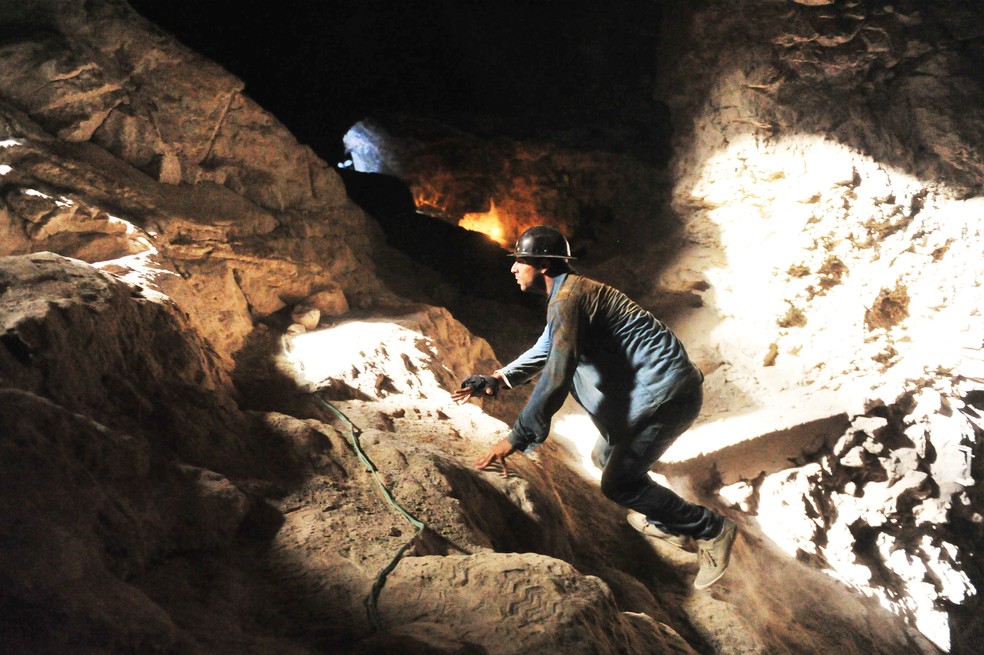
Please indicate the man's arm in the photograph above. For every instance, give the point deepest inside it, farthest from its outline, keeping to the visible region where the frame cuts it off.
(520, 370)
(559, 348)
(533, 424)
(523, 368)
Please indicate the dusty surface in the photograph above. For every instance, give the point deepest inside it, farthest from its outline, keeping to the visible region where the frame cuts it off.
(298, 531)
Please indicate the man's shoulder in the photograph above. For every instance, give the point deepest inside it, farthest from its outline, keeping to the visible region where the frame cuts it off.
(576, 293)
(577, 285)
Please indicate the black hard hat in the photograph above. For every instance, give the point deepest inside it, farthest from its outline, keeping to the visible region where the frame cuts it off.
(543, 241)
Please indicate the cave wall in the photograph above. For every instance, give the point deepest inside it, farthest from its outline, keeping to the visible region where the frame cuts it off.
(160, 234)
(827, 167)
(501, 186)
(122, 145)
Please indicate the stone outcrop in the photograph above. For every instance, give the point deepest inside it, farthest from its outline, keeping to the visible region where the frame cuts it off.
(142, 508)
(123, 146)
(476, 607)
(120, 445)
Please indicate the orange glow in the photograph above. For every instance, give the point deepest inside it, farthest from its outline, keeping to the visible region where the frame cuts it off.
(488, 223)
(429, 202)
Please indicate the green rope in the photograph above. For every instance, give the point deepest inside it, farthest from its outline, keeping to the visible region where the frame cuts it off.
(377, 586)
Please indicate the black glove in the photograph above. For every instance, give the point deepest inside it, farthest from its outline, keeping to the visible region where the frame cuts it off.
(481, 385)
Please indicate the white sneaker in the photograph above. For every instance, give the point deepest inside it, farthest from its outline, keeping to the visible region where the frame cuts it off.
(642, 524)
(714, 555)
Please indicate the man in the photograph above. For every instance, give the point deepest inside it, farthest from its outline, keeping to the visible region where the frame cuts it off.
(632, 376)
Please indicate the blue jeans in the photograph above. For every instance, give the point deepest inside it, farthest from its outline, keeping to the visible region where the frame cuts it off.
(625, 461)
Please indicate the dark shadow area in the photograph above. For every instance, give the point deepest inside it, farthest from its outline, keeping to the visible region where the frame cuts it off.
(575, 74)
(884, 102)
(553, 70)
(469, 261)
(470, 272)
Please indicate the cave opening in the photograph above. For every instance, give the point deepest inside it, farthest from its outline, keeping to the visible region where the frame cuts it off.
(565, 73)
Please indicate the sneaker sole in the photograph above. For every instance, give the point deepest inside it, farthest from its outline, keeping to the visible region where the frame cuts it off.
(674, 540)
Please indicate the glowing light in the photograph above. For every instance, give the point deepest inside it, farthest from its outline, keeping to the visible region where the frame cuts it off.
(488, 223)
(323, 354)
(428, 200)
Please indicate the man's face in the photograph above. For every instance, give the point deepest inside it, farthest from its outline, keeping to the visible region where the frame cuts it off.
(528, 276)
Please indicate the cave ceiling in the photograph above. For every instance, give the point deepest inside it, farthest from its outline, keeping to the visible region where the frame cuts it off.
(573, 70)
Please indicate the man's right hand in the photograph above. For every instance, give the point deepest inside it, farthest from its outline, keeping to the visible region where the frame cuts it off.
(498, 453)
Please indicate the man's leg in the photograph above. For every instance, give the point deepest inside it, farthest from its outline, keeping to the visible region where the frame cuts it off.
(625, 477)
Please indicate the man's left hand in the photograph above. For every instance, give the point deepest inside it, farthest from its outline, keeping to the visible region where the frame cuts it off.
(474, 385)
(499, 452)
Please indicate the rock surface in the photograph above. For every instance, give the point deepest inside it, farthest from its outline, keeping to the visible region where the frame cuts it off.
(211, 527)
(816, 142)
(141, 153)
(171, 482)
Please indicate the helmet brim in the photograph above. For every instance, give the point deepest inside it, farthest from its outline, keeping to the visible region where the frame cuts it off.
(533, 255)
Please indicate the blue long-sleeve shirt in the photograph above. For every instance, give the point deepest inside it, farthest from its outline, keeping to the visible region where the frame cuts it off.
(618, 361)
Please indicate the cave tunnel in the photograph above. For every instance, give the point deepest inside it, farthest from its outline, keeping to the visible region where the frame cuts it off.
(504, 70)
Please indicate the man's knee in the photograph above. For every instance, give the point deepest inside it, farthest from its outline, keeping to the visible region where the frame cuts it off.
(621, 491)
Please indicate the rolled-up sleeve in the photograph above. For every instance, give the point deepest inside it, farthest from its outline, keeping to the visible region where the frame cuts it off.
(563, 349)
